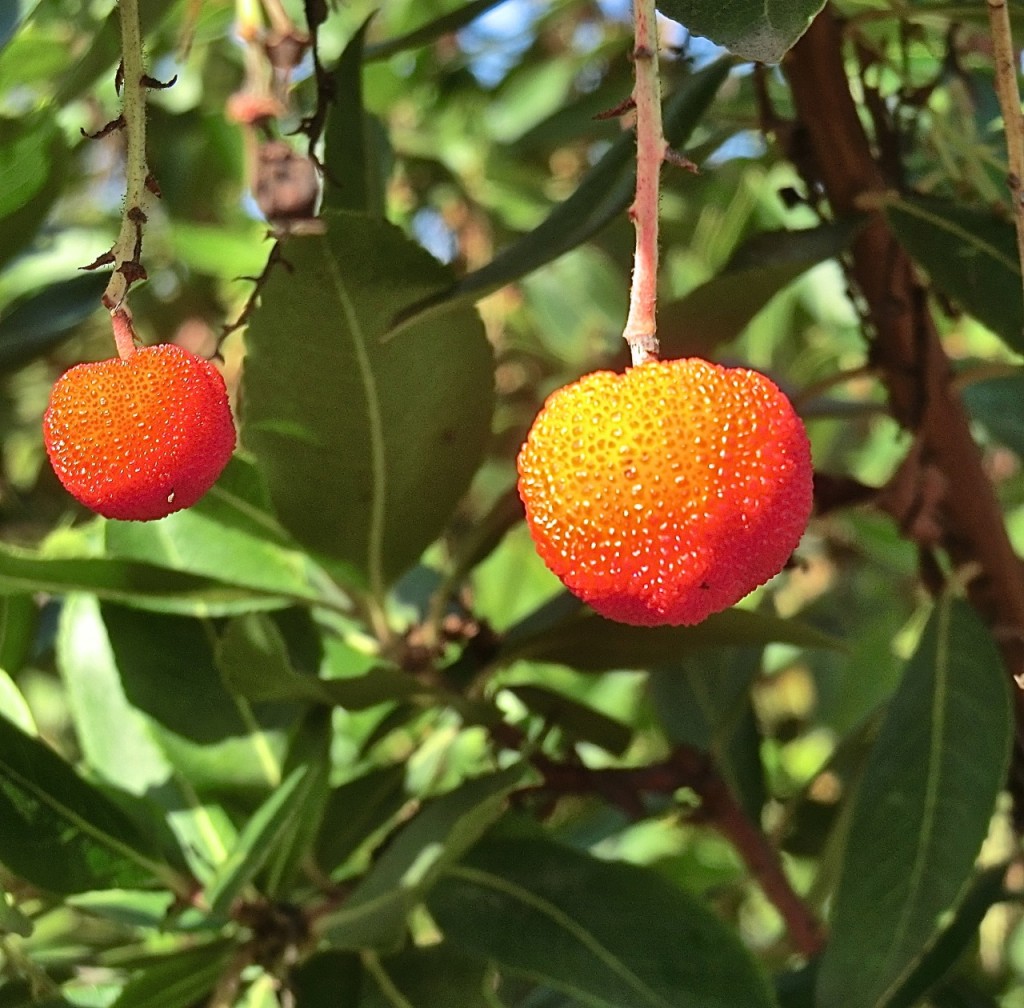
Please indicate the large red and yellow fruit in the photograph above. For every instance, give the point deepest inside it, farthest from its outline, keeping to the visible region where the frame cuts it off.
(142, 437)
(667, 493)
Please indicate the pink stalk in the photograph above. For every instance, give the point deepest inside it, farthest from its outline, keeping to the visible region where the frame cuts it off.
(641, 332)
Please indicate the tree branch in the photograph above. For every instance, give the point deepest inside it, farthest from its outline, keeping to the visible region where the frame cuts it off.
(906, 347)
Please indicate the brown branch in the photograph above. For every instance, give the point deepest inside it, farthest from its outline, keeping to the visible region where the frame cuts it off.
(907, 350)
(690, 768)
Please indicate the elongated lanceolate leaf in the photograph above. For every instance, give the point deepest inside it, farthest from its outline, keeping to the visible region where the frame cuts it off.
(969, 254)
(608, 934)
(59, 832)
(921, 811)
(603, 195)
(761, 30)
(367, 445)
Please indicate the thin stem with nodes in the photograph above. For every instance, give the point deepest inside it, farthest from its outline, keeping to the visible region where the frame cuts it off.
(1004, 58)
(126, 251)
(641, 332)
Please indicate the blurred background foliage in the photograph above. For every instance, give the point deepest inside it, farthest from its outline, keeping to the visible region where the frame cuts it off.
(314, 742)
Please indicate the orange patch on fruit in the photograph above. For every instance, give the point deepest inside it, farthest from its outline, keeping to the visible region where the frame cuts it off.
(667, 493)
(140, 438)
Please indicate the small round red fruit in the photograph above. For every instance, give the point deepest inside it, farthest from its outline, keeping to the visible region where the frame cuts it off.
(667, 493)
(142, 437)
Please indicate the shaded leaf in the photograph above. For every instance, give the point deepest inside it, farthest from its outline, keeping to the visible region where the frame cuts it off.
(177, 980)
(375, 913)
(61, 833)
(723, 306)
(609, 934)
(19, 621)
(367, 465)
(761, 30)
(134, 584)
(35, 324)
(327, 980)
(995, 404)
(356, 811)
(970, 255)
(580, 722)
(435, 976)
(588, 642)
(921, 810)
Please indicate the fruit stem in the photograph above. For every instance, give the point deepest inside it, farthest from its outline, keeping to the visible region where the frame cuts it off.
(124, 333)
(641, 332)
(133, 80)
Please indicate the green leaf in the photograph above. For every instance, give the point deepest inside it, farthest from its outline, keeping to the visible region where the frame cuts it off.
(560, 917)
(327, 980)
(19, 621)
(255, 665)
(127, 758)
(921, 810)
(580, 722)
(13, 705)
(33, 162)
(761, 30)
(36, 323)
(257, 841)
(352, 171)
(356, 811)
(446, 24)
(177, 980)
(60, 833)
(970, 255)
(723, 306)
(375, 913)
(134, 584)
(603, 195)
(218, 741)
(434, 976)
(366, 465)
(12, 920)
(995, 404)
(588, 642)
(703, 700)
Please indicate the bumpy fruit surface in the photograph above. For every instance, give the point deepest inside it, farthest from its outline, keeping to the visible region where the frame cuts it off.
(140, 438)
(667, 493)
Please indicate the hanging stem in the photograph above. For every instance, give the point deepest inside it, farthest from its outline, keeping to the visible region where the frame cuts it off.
(641, 332)
(1005, 65)
(127, 250)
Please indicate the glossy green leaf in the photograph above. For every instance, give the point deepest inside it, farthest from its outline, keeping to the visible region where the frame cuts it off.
(586, 641)
(921, 811)
(763, 266)
(60, 833)
(257, 841)
(356, 811)
(367, 464)
(761, 30)
(255, 665)
(610, 934)
(177, 980)
(969, 254)
(603, 195)
(374, 915)
(37, 323)
(219, 741)
(128, 757)
(128, 582)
